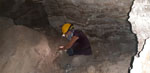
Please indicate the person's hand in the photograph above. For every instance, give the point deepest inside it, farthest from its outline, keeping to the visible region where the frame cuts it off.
(61, 48)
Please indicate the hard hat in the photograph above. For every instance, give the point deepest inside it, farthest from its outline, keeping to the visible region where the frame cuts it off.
(65, 28)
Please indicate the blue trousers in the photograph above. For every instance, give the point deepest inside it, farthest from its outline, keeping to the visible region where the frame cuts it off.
(70, 52)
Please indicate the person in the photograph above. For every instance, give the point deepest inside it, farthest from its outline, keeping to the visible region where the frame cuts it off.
(78, 42)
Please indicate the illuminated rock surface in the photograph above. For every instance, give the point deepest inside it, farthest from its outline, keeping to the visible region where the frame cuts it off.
(23, 50)
(140, 20)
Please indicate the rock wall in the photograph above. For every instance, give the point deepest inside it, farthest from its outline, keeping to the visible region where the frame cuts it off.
(6, 6)
(28, 13)
(90, 14)
(23, 50)
(104, 22)
(140, 26)
(142, 64)
(140, 20)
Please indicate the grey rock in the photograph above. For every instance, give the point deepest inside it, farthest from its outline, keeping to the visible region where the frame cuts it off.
(23, 50)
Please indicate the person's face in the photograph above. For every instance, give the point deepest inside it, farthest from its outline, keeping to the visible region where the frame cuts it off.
(68, 33)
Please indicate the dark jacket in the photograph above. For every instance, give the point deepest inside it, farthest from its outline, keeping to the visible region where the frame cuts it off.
(82, 45)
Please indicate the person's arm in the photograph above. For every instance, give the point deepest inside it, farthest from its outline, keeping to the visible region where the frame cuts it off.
(71, 42)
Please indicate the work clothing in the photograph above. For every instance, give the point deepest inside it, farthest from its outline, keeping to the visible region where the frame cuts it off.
(81, 46)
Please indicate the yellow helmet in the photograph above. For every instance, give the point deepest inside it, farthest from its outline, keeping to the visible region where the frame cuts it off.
(66, 27)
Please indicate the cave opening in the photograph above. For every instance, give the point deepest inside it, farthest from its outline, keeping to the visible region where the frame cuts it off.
(35, 26)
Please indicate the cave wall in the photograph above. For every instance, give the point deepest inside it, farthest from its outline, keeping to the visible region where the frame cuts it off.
(90, 14)
(139, 18)
(28, 13)
(104, 22)
(6, 6)
(140, 26)
(24, 50)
